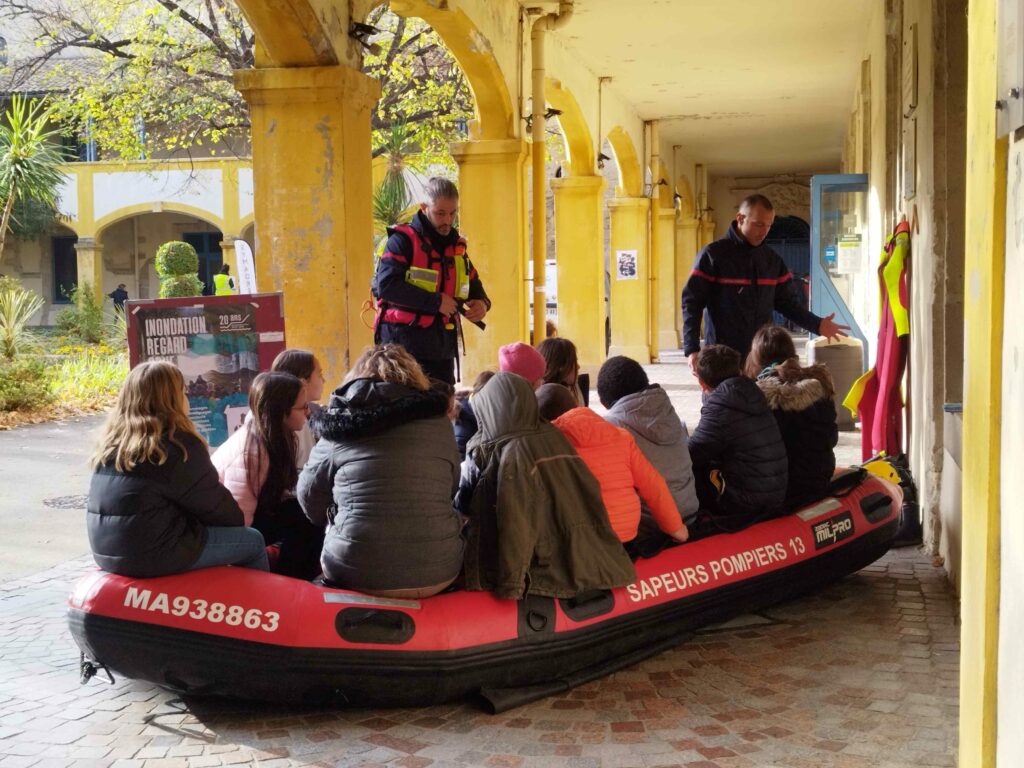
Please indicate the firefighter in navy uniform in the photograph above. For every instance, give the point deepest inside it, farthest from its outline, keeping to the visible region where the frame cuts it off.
(425, 281)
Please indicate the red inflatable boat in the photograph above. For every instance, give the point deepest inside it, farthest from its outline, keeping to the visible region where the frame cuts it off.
(253, 635)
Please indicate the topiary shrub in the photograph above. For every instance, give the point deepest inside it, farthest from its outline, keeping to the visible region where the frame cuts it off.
(178, 265)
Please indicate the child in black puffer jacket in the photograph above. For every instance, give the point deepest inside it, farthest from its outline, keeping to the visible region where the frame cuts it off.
(801, 401)
(739, 460)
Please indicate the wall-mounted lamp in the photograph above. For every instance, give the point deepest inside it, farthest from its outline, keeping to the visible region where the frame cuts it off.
(361, 32)
(558, 172)
(602, 158)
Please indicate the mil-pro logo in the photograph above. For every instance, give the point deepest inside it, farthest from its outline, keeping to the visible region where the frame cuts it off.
(836, 528)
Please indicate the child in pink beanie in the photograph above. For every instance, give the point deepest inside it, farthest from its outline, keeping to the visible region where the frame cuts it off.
(524, 360)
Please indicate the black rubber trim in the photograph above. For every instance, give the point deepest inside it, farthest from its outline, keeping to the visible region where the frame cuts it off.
(193, 662)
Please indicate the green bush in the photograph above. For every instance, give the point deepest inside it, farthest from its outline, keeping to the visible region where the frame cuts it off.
(24, 384)
(89, 378)
(84, 318)
(17, 306)
(181, 285)
(176, 258)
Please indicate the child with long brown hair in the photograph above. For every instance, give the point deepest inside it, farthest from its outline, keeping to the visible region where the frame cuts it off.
(382, 478)
(800, 398)
(257, 465)
(562, 366)
(155, 504)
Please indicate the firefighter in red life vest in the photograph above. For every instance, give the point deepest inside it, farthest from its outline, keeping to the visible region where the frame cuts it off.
(425, 281)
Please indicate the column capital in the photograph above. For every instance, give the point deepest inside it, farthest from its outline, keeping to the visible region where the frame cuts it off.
(666, 213)
(688, 223)
(88, 244)
(488, 150)
(290, 85)
(588, 183)
(639, 203)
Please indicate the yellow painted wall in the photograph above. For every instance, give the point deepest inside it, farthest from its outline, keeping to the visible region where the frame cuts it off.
(983, 320)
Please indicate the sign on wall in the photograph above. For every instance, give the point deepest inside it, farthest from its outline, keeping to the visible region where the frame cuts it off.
(220, 343)
(625, 265)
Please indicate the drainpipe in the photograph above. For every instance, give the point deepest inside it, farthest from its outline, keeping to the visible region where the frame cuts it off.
(654, 160)
(543, 23)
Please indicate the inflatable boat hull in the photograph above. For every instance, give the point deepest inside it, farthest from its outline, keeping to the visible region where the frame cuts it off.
(252, 635)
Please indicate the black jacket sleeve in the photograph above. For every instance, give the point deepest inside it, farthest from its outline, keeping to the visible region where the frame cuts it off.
(476, 287)
(787, 303)
(707, 443)
(199, 489)
(390, 279)
(695, 299)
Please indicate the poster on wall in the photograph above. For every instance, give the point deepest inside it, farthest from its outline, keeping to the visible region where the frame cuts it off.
(625, 265)
(220, 343)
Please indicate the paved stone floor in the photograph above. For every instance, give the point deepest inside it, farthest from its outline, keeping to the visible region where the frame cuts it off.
(862, 674)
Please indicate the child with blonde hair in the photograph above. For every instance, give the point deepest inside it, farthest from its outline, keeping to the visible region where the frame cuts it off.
(155, 504)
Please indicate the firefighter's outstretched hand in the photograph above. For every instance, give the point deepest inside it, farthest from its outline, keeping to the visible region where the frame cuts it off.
(475, 309)
(831, 329)
(448, 306)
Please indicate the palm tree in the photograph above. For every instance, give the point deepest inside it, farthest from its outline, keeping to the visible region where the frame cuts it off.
(392, 201)
(30, 158)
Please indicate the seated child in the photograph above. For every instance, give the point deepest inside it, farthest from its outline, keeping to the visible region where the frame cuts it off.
(522, 359)
(646, 412)
(304, 365)
(801, 401)
(739, 459)
(155, 506)
(617, 463)
(382, 478)
(562, 365)
(536, 522)
(465, 419)
(257, 465)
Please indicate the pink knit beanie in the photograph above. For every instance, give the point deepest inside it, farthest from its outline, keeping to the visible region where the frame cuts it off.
(522, 359)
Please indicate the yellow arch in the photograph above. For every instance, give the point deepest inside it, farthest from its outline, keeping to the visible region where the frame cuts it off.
(579, 146)
(142, 208)
(289, 32)
(475, 55)
(630, 178)
(686, 203)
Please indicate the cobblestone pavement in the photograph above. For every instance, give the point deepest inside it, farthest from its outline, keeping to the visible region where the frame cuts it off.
(862, 674)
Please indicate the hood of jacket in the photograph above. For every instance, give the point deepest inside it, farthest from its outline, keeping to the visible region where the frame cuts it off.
(365, 407)
(650, 414)
(739, 394)
(791, 395)
(504, 406)
(585, 429)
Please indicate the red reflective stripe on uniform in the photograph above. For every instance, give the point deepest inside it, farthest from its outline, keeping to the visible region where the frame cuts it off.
(395, 256)
(705, 275)
(774, 280)
(734, 281)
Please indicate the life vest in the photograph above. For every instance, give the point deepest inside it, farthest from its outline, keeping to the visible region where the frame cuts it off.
(222, 285)
(450, 274)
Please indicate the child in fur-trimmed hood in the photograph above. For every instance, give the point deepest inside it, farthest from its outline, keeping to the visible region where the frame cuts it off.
(801, 401)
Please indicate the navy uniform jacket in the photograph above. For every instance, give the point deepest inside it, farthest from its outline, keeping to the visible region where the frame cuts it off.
(739, 285)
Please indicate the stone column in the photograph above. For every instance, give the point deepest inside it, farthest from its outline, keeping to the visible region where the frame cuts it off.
(630, 294)
(707, 232)
(579, 249)
(665, 335)
(686, 252)
(311, 177)
(89, 261)
(492, 216)
(227, 254)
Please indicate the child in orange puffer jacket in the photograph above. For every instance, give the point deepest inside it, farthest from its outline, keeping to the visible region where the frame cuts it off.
(616, 461)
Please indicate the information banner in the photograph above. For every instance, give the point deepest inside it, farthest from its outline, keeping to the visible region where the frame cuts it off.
(246, 266)
(220, 343)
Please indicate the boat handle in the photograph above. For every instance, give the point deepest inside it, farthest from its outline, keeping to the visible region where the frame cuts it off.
(536, 621)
